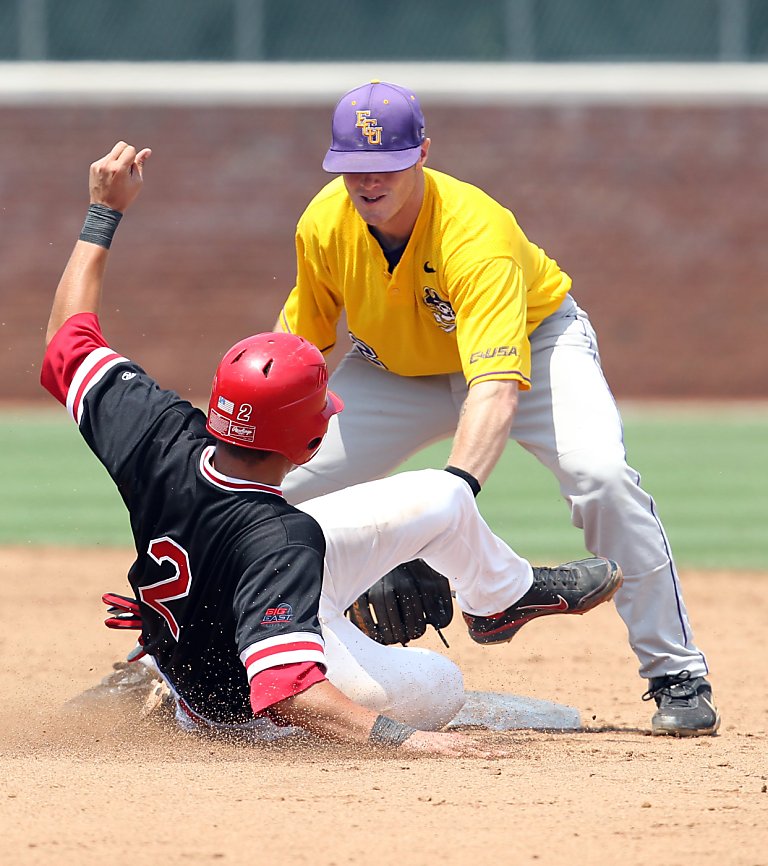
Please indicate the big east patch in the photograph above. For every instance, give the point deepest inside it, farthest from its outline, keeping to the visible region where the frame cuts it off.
(279, 613)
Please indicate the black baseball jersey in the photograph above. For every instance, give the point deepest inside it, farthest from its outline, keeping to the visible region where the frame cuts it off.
(227, 573)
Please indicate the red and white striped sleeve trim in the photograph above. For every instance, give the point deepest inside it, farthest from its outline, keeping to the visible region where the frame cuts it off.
(75, 360)
(283, 649)
(89, 373)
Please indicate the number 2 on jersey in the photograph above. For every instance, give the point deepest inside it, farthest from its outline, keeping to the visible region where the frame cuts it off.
(157, 594)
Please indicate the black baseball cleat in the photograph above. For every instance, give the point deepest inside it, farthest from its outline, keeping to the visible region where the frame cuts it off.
(574, 587)
(685, 706)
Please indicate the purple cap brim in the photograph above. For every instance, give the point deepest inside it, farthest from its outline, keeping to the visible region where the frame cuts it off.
(370, 162)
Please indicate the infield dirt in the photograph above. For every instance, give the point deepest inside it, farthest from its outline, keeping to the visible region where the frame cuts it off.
(100, 785)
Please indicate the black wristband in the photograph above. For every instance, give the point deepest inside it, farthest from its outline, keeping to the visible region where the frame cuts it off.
(100, 225)
(470, 479)
(388, 732)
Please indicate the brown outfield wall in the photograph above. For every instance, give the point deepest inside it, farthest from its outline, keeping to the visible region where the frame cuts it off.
(658, 213)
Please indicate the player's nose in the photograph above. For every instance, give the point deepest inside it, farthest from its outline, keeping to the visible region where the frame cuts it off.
(369, 181)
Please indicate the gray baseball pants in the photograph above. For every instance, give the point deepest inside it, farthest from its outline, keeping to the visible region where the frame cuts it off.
(570, 422)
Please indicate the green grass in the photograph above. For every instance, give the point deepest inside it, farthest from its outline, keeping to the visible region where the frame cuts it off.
(706, 469)
(54, 490)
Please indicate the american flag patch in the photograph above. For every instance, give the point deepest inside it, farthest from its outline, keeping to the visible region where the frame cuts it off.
(226, 405)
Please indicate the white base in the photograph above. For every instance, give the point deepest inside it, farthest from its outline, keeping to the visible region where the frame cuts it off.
(499, 712)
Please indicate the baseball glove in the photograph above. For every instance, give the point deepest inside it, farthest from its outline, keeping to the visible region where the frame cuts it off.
(399, 607)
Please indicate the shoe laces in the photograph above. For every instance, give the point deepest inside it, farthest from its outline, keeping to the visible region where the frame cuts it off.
(545, 577)
(667, 684)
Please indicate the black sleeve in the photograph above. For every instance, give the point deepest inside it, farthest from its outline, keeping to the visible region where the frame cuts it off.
(279, 591)
(126, 408)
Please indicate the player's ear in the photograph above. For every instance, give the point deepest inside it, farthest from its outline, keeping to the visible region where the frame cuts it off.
(424, 151)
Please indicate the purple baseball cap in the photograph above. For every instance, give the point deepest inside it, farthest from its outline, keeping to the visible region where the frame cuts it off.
(378, 127)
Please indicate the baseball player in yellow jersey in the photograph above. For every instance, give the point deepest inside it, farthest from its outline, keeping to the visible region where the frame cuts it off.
(462, 327)
(458, 279)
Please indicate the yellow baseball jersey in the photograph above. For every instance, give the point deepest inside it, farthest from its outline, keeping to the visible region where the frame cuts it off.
(465, 296)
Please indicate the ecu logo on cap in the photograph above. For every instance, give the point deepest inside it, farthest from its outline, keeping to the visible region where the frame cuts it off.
(368, 126)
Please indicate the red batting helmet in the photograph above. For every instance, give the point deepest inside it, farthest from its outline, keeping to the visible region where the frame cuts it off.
(270, 393)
